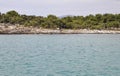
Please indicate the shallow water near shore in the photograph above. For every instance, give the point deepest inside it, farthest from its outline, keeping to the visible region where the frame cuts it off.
(60, 55)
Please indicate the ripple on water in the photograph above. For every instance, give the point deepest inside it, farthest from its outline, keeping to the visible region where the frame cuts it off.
(60, 55)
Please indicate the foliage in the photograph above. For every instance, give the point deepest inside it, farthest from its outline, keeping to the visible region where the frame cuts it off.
(98, 21)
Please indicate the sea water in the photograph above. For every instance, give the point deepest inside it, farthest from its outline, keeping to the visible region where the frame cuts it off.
(60, 55)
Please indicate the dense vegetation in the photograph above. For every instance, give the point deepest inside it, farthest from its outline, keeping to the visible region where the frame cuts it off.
(98, 21)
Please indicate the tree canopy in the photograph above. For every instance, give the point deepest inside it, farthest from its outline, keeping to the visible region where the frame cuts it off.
(98, 21)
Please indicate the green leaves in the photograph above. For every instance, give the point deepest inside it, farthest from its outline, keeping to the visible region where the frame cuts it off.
(98, 21)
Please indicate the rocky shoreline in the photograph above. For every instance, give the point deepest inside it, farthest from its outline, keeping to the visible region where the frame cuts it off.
(19, 29)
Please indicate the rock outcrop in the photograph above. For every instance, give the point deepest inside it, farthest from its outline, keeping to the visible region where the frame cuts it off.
(19, 29)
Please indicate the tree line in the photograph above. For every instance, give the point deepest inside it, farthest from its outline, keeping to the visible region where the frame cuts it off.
(98, 21)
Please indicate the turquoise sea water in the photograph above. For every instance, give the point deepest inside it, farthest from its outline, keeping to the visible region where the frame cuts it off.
(60, 55)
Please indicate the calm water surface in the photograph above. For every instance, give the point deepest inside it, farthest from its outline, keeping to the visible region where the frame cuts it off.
(60, 55)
